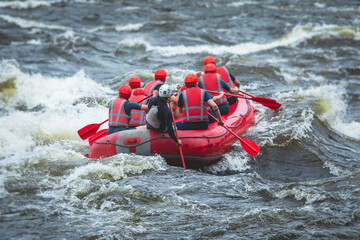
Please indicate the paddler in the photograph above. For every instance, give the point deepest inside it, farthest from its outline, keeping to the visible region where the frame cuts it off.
(212, 81)
(225, 75)
(154, 85)
(137, 94)
(192, 103)
(120, 110)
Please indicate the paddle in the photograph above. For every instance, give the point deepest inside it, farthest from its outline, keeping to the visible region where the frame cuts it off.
(177, 137)
(97, 135)
(249, 146)
(267, 102)
(91, 129)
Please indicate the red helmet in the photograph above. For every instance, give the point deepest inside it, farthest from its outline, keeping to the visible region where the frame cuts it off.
(210, 68)
(191, 80)
(139, 91)
(160, 74)
(124, 91)
(134, 82)
(209, 59)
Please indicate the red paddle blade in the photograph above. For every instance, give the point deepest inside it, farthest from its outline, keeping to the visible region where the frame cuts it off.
(267, 102)
(88, 130)
(96, 136)
(249, 146)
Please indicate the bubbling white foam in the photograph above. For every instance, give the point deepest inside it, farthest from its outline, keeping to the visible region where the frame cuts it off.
(24, 23)
(45, 107)
(330, 106)
(297, 35)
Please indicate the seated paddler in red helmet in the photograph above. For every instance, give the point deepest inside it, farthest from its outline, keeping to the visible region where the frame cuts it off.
(137, 96)
(212, 81)
(154, 85)
(120, 110)
(193, 103)
(225, 75)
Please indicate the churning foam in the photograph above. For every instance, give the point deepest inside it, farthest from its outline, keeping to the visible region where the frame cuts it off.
(36, 107)
(298, 35)
(24, 23)
(26, 4)
(119, 28)
(330, 107)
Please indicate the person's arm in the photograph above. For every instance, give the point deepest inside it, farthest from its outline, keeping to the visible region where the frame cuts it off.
(234, 90)
(225, 86)
(130, 106)
(216, 110)
(144, 107)
(155, 93)
(218, 97)
(235, 81)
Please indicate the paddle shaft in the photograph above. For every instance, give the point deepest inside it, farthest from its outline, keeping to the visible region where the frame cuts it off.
(267, 102)
(177, 137)
(228, 94)
(246, 93)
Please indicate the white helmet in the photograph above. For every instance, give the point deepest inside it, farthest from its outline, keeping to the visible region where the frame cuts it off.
(173, 89)
(165, 91)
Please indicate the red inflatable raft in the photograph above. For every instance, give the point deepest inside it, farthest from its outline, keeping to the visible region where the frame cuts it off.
(200, 147)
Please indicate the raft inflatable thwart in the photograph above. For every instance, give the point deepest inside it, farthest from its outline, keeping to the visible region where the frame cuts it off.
(200, 147)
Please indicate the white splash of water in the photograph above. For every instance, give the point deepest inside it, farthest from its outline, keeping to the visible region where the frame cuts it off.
(24, 23)
(298, 35)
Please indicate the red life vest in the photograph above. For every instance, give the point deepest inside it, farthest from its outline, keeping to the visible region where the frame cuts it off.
(225, 75)
(137, 116)
(117, 115)
(212, 81)
(150, 86)
(194, 108)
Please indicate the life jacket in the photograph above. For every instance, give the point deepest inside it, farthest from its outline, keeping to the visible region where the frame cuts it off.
(194, 109)
(137, 116)
(212, 81)
(150, 86)
(225, 75)
(117, 115)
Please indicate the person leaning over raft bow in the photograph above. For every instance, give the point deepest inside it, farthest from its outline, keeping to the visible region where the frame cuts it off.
(192, 103)
(159, 117)
(225, 75)
(212, 81)
(137, 94)
(120, 110)
(154, 85)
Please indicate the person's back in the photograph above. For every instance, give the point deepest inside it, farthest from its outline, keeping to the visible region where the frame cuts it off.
(211, 81)
(159, 116)
(193, 104)
(137, 116)
(154, 85)
(225, 75)
(120, 110)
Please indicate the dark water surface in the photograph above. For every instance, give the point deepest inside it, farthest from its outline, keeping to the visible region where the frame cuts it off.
(61, 63)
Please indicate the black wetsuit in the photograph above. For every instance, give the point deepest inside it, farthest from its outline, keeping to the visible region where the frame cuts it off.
(164, 115)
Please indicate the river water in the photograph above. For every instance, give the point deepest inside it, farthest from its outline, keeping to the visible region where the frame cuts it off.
(62, 61)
